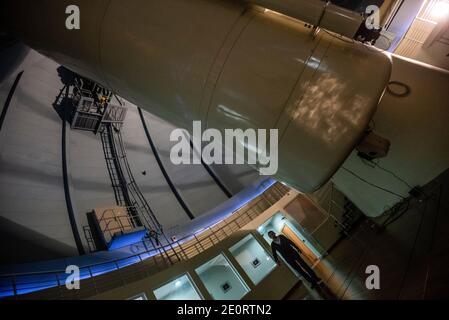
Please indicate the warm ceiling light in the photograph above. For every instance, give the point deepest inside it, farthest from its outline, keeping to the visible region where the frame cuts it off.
(440, 9)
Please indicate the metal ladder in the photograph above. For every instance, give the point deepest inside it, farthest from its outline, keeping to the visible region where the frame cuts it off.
(126, 190)
(117, 180)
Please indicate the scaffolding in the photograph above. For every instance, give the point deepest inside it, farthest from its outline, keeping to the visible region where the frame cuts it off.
(93, 107)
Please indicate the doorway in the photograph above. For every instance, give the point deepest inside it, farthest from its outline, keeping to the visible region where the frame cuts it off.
(307, 254)
(281, 225)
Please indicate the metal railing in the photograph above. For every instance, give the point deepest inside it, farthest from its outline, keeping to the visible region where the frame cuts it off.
(101, 277)
(112, 222)
(343, 215)
(126, 190)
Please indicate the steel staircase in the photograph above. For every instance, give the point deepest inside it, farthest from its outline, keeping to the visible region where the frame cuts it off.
(126, 190)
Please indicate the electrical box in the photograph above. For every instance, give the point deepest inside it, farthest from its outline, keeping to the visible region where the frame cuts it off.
(373, 146)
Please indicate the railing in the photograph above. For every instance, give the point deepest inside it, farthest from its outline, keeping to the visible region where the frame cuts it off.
(102, 277)
(89, 238)
(116, 219)
(343, 215)
(92, 107)
(114, 114)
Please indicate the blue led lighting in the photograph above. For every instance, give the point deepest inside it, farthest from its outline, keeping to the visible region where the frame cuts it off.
(29, 283)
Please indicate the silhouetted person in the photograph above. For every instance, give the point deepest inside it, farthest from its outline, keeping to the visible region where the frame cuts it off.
(290, 252)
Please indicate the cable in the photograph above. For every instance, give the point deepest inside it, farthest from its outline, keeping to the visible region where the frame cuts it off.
(395, 212)
(394, 175)
(374, 185)
(374, 164)
(405, 93)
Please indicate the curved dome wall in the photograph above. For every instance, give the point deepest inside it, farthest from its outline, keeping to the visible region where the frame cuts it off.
(34, 211)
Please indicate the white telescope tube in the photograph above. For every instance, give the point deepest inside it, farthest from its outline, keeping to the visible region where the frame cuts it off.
(318, 13)
(222, 63)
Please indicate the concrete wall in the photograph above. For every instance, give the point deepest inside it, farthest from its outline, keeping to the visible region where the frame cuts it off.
(33, 204)
(192, 181)
(34, 220)
(153, 184)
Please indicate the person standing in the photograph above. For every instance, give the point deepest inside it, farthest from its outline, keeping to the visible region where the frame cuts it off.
(291, 253)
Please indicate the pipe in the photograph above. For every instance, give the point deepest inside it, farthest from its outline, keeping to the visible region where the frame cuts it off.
(223, 63)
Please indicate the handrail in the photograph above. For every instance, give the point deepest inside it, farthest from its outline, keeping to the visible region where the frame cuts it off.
(170, 246)
(331, 204)
(116, 218)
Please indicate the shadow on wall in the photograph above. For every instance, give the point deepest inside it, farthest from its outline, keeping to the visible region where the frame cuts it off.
(63, 102)
(22, 245)
(67, 76)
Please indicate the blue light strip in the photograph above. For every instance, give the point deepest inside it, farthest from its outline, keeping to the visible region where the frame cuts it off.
(224, 210)
(40, 281)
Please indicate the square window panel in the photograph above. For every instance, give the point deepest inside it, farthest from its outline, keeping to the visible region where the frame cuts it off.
(221, 279)
(253, 258)
(141, 296)
(181, 288)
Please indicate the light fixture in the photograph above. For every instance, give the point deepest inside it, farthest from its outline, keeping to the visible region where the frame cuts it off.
(178, 284)
(440, 9)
